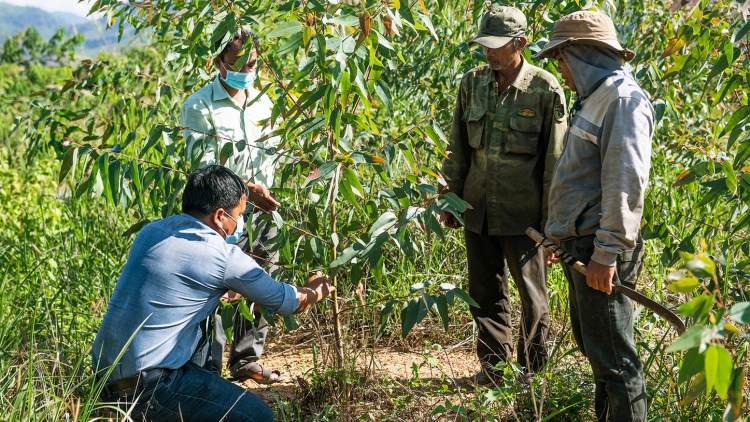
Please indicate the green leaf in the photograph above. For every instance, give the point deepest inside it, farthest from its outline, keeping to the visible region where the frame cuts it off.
(718, 368)
(353, 180)
(405, 12)
(740, 312)
(447, 286)
(463, 296)
(409, 316)
(346, 189)
(428, 23)
(695, 391)
(285, 29)
(135, 228)
(292, 44)
(346, 20)
(694, 337)
(683, 36)
(455, 201)
(68, 161)
(324, 172)
(697, 308)
(226, 151)
(227, 314)
(290, 323)
(718, 66)
(692, 364)
(347, 255)
(701, 267)
(734, 396)
(384, 222)
(740, 32)
(686, 285)
(384, 93)
(418, 286)
(690, 176)
(731, 180)
(442, 307)
(245, 310)
(384, 312)
(737, 117)
(730, 85)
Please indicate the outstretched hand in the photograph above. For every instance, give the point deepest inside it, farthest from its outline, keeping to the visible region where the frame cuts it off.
(316, 289)
(262, 197)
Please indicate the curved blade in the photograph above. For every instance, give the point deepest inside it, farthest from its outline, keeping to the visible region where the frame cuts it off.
(656, 308)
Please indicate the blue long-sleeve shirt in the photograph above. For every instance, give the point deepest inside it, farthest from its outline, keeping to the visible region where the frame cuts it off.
(176, 273)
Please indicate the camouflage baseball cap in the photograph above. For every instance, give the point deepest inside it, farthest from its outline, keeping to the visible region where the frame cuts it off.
(584, 27)
(499, 26)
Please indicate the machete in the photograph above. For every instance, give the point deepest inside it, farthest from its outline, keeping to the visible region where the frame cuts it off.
(579, 266)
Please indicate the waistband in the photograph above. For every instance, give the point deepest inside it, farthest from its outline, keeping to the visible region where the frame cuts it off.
(129, 386)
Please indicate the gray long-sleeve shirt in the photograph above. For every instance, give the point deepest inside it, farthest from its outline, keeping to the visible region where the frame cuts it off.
(601, 177)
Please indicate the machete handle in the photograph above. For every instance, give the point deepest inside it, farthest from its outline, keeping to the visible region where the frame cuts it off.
(552, 247)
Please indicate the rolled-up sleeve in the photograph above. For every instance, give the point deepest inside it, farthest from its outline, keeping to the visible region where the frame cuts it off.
(244, 276)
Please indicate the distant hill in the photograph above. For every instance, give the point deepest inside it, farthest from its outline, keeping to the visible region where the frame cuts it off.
(14, 19)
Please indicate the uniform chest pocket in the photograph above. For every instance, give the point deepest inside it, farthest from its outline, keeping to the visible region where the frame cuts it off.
(523, 136)
(474, 118)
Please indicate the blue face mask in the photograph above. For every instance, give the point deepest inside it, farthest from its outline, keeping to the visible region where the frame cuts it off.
(238, 80)
(237, 231)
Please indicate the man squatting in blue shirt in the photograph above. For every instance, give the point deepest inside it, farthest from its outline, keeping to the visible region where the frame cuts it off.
(177, 271)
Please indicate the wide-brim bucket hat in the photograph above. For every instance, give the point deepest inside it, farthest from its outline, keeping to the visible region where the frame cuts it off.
(584, 27)
(499, 26)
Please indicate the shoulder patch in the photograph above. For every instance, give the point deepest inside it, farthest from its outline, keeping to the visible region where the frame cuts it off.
(559, 112)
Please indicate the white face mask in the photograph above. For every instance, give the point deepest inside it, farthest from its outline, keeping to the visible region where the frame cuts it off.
(238, 80)
(237, 231)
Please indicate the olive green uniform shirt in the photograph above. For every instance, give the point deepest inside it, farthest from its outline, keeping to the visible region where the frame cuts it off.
(503, 148)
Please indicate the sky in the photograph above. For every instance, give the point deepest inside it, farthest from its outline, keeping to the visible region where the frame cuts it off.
(70, 6)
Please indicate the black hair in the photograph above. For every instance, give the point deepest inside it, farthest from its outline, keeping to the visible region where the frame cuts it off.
(241, 35)
(211, 188)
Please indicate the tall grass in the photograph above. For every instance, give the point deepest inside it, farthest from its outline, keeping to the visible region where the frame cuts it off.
(60, 258)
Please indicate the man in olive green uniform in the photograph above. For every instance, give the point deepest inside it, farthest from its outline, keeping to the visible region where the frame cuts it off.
(506, 136)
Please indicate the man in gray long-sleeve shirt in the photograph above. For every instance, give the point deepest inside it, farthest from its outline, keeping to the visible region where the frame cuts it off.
(596, 203)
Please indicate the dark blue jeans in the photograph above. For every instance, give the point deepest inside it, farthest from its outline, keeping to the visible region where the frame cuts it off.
(193, 394)
(603, 328)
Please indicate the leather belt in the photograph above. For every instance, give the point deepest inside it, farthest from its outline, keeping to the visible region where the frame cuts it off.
(129, 386)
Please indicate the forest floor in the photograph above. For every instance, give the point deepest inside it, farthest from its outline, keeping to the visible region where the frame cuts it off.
(406, 381)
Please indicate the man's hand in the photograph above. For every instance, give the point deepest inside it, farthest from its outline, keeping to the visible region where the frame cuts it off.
(262, 197)
(320, 284)
(550, 258)
(599, 276)
(317, 288)
(449, 220)
(230, 296)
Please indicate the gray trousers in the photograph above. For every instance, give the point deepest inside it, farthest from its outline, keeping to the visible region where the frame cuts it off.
(245, 349)
(489, 259)
(603, 329)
